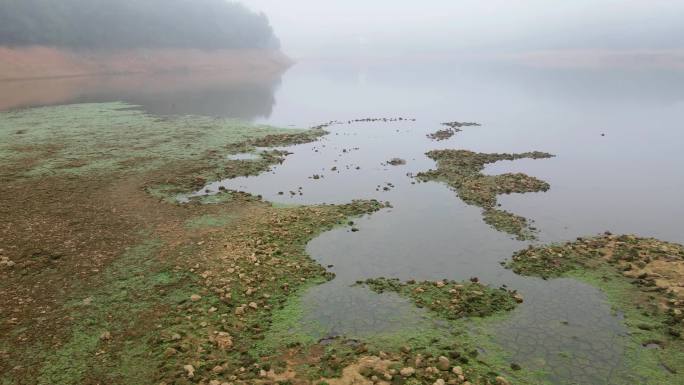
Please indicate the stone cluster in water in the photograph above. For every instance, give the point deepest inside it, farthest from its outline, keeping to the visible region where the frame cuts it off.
(462, 170)
(450, 299)
(453, 128)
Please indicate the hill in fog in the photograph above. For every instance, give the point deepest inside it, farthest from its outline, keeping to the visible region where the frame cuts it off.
(121, 24)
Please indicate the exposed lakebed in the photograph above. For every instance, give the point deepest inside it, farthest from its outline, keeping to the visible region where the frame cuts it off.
(564, 326)
(617, 168)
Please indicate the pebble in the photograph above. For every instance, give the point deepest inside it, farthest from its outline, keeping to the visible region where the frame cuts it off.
(502, 381)
(407, 372)
(443, 363)
(195, 297)
(106, 336)
(189, 371)
(439, 382)
(457, 370)
(224, 341)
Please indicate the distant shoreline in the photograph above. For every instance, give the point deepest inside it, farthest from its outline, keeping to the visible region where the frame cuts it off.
(39, 62)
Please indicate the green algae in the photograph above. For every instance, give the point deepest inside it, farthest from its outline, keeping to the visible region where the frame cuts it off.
(128, 282)
(287, 327)
(624, 268)
(661, 365)
(462, 170)
(463, 336)
(103, 138)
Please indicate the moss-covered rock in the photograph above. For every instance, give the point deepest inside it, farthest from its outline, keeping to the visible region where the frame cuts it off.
(462, 170)
(450, 299)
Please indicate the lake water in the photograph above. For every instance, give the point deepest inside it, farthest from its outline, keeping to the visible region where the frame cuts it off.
(617, 133)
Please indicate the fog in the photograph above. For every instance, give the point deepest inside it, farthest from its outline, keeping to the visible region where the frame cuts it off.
(396, 27)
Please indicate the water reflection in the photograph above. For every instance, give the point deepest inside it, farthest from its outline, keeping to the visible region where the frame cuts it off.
(227, 94)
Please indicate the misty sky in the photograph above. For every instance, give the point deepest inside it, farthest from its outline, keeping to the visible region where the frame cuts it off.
(408, 26)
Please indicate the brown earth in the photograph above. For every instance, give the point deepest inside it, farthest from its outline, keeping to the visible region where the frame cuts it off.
(47, 62)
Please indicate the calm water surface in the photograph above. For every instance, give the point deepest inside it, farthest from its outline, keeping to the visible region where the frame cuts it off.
(617, 134)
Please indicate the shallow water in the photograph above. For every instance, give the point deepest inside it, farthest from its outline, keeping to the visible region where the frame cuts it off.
(628, 181)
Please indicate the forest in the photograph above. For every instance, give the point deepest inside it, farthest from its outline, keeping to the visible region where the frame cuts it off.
(126, 24)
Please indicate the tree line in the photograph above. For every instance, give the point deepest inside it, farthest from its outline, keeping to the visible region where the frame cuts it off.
(208, 24)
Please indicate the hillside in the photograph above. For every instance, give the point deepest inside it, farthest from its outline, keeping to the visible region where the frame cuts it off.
(126, 24)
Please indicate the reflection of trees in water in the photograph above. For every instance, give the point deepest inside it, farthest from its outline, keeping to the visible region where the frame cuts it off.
(234, 95)
(247, 100)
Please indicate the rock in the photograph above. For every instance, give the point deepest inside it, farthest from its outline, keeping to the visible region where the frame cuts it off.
(502, 381)
(189, 371)
(170, 352)
(518, 298)
(253, 305)
(431, 370)
(439, 382)
(224, 341)
(214, 382)
(176, 337)
(218, 369)
(443, 363)
(4, 261)
(106, 336)
(457, 370)
(407, 372)
(440, 284)
(195, 297)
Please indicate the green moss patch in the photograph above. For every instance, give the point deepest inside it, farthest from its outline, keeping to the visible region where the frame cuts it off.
(104, 340)
(450, 299)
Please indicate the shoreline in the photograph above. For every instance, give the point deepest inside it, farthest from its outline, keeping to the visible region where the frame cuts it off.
(40, 63)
